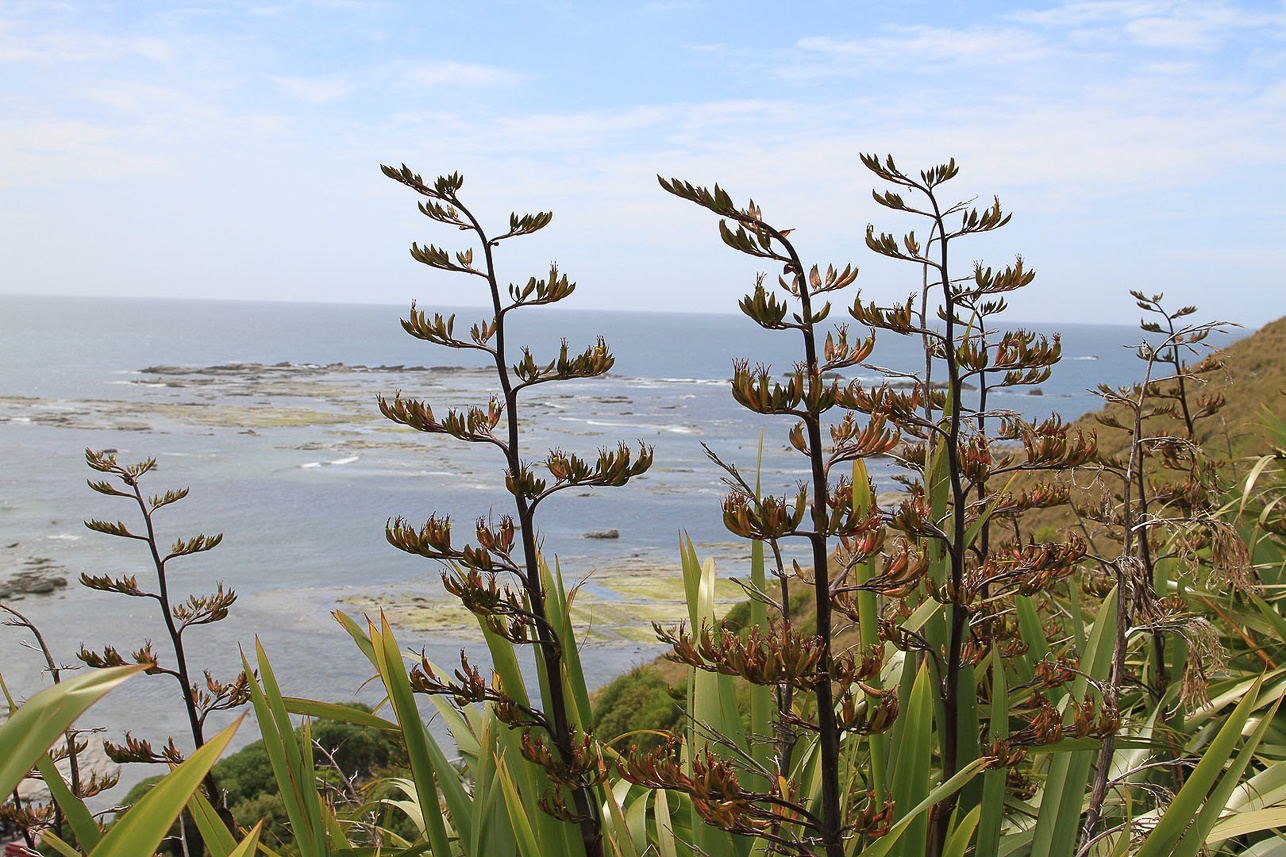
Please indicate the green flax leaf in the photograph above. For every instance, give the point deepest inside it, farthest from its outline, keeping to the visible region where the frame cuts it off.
(36, 725)
(141, 829)
(77, 814)
(1186, 804)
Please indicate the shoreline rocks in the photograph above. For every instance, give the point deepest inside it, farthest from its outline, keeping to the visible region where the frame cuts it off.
(41, 576)
(259, 369)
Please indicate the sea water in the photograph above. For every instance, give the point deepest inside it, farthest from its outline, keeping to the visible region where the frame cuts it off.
(268, 412)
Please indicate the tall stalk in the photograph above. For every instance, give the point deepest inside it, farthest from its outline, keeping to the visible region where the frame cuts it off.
(199, 702)
(1151, 516)
(805, 395)
(471, 573)
(960, 465)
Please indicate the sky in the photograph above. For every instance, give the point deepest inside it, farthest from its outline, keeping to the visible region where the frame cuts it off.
(232, 150)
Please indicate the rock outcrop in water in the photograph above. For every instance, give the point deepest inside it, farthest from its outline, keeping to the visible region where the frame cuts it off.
(40, 576)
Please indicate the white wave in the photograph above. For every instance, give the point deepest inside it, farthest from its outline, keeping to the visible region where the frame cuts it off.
(658, 382)
(312, 464)
(348, 460)
(1087, 357)
(648, 427)
(609, 424)
(19, 419)
(64, 537)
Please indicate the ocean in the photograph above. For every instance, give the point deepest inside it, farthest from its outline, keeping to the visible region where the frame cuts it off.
(267, 411)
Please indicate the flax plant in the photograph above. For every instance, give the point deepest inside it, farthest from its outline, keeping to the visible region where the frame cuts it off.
(1175, 548)
(961, 472)
(931, 587)
(200, 700)
(782, 656)
(502, 577)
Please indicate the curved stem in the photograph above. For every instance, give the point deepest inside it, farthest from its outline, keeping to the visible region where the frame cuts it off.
(55, 672)
(547, 640)
(1098, 794)
(195, 720)
(828, 730)
(955, 544)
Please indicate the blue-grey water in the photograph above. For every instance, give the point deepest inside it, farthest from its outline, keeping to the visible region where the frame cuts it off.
(294, 465)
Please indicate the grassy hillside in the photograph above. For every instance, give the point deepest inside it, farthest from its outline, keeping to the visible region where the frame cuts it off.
(1248, 375)
(1254, 375)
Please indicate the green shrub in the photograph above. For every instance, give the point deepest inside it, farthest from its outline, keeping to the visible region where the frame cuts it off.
(249, 787)
(272, 811)
(636, 702)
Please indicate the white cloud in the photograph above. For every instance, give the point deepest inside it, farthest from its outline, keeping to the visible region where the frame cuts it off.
(1172, 67)
(1275, 96)
(140, 99)
(1113, 143)
(419, 75)
(671, 5)
(1086, 31)
(22, 45)
(435, 74)
(1205, 24)
(57, 151)
(1173, 32)
(908, 46)
(1080, 12)
(316, 90)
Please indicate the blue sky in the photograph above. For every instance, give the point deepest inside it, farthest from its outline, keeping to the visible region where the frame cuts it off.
(232, 149)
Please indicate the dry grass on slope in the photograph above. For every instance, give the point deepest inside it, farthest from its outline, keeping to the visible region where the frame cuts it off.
(1249, 374)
